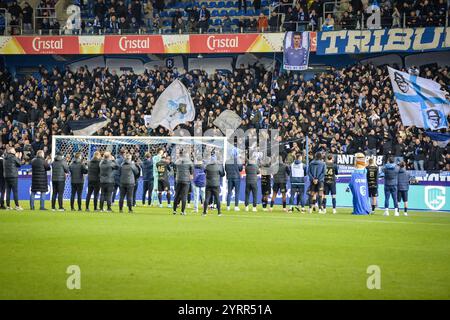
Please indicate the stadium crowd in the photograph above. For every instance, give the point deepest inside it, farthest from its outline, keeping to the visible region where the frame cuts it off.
(345, 110)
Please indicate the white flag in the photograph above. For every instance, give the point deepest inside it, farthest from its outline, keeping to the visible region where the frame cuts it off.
(421, 102)
(173, 107)
(227, 120)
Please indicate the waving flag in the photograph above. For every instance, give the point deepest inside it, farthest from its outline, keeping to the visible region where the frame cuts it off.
(421, 102)
(173, 107)
(442, 139)
(87, 127)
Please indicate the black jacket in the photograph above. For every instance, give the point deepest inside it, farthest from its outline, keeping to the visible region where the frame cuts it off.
(77, 170)
(59, 169)
(214, 172)
(94, 171)
(184, 170)
(10, 166)
(107, 168)
(128, 172)
(39, 168)
(251, 172)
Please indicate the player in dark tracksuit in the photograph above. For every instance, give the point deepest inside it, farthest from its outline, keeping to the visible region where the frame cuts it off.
(233, 170)
(214, 173)
(403, 186)
(147, 178)
(93, 180)
(184, 170)
(266, 187)
(2, 183)
(329, 187)
(372, 182)
(279, 184)
(77, 170)
(128, 173)
(251, 183)
(316, 174)
(163, 168)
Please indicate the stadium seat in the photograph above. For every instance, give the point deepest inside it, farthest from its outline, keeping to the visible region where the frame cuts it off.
(167, 23)
(221, 4)
(230, 4)
(250, 12)
(214, 13)
(212, 4)
(223, 13)
(218, 22)
(232, 12)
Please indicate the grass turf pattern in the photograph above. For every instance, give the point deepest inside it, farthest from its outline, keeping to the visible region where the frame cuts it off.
(152, 254)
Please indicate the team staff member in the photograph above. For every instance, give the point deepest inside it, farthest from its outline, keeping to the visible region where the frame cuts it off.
(93, 180)
(266, 187)
(331, 171)
(59, 170)
(184, 174)
(128, 172)
(372, 181)
(147, 178)
(137, 175)
(316, 174)
(77, 170)
(214, 173)
(11, 165)
(233, 169)
(403, 187)
(163, 168)
(107, 168)
(251, 183)
(298, 173)
(279, 183)
(39, 168)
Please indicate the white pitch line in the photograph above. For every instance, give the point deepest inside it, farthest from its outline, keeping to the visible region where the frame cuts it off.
(304, 217)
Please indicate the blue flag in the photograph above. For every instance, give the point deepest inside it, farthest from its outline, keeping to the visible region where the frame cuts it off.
(359, 189)
(87, 127)
(442, 139)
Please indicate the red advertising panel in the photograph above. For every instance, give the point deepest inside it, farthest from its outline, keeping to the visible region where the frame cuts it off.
(134, 44)
(225, 43)
(49, 44)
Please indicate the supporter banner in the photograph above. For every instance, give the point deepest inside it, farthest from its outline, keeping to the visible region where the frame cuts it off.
(296, 50)
(383, 40)
(146, 44)
(429, 197)
(349, 159)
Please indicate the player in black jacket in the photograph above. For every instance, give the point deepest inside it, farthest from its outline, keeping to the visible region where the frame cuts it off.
(279, 183)
(163, 168)
(331, 171)
(372, 181)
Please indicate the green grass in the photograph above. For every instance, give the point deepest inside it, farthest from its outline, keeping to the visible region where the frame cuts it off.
(155, 255)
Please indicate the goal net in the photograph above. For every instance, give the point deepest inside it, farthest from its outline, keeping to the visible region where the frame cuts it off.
(200, 149)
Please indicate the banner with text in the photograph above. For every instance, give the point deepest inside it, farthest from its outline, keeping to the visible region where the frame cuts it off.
(383, 40)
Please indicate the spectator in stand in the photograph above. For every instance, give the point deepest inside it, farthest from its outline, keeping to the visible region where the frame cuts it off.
(124, 26)
(328, 24)
(135, 9)
(27, 17)
(290, 20)
(257, 5)
(180, 26)
(301, 19)
(100, 9)
(419, 155)
(121, 10)
(175, 15)
(313, 20)
(263, 23)
(274, 21)
(156, 23)
(204, 16)
(227, 24)
(97, 25)
(113, 25)
(15, 10)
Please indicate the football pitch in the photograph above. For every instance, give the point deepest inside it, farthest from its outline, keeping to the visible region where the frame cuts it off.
(153, 254)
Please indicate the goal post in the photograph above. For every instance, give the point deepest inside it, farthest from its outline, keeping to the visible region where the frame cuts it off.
(200, 148)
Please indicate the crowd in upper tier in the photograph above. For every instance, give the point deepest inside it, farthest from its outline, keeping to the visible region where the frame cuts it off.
(187, 16)
(345, 110)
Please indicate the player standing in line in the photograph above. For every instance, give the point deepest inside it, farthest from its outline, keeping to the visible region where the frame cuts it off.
(128, 173)
(403, 186)
(93, 180)
(77, 170)
(184, 172)
(233, 169)
(155, 160)
(147, 178)
(107, 167)
(279, 183)
(163, 168)
(138, 164)
(298, 173)
(266, 188)
(390, 171)
(251, 183)
(214, 173)
(331, 171)
(372, 181)
(316, 174)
